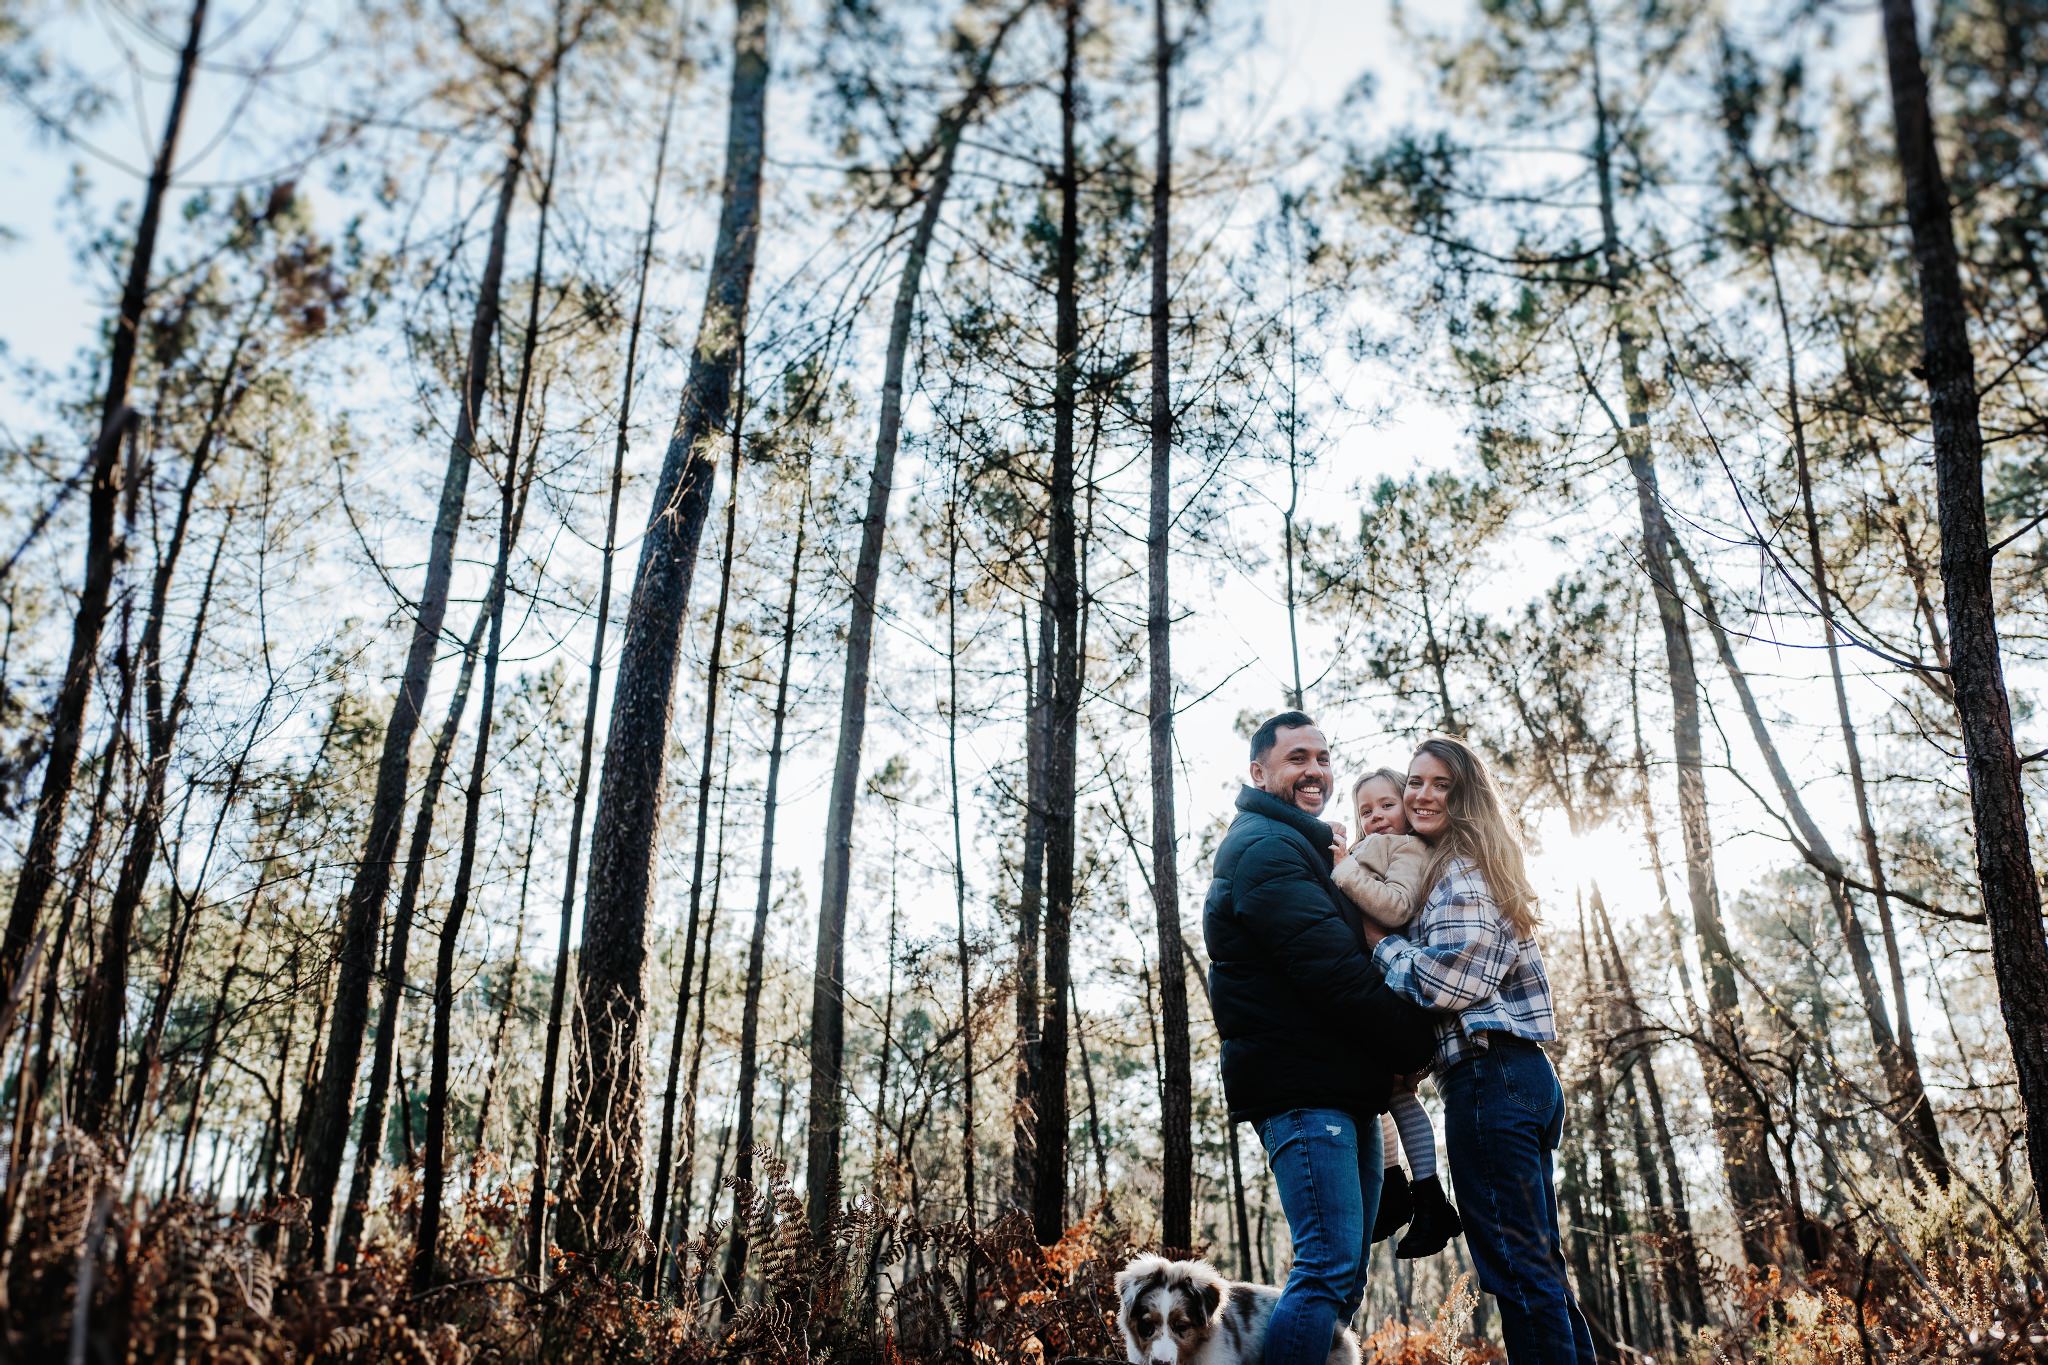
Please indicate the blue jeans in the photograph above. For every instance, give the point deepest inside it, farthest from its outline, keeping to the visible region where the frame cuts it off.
(1503, 1117)
(1327, 1166)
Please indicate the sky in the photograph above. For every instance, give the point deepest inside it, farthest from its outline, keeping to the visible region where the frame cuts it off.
(1232, 649)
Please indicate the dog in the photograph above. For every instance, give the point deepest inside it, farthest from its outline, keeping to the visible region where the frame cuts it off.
(1185, 1313)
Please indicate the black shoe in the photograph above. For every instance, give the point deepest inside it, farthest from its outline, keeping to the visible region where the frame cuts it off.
(1436, 1222)
(1396, 1207)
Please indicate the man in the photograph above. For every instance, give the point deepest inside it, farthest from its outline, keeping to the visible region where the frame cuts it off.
(1311, 1036)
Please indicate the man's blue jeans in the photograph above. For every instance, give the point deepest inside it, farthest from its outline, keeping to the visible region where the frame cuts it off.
(1503, 1117)
(1327, 1166)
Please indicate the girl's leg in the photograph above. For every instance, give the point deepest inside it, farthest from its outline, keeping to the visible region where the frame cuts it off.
(1418, 1139)
(1503, 1113)
(1396, 1206)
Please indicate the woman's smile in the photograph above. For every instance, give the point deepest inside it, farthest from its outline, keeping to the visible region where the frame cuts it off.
(1428, 796)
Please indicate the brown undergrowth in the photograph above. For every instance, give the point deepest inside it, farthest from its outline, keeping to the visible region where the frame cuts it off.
(178, 1281)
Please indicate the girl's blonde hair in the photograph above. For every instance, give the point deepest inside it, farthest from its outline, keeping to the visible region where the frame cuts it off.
(1479, 831)
(1397, 780)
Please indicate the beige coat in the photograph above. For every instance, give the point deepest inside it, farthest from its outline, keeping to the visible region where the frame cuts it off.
(1382, 875)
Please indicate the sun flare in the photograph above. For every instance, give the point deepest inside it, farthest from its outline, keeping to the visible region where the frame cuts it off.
(1563, 863)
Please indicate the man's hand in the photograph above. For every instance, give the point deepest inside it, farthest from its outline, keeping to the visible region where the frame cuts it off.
(1338, 844)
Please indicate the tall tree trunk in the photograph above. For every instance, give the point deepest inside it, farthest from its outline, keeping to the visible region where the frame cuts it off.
(334, 1104)
(1684, 1285)
(1063, 597)
(294, 1160)
(433, 1175)
(544, 1121)
(2005, 865)
(36, 1076)
(603, 1137)
(960, 947)
(184, 907)
(1031, 905)
(1873, 858)
(686, 1165)
(1613, 1230)
(370, 1146)
(1753, 1182)
(757, 944)
(828, 1006)
(1297, 695)
(67, 719)
(509, 991)
(103, 1003)
(1912, 1112)
(1177, 1118)
(1095, 1140)
(512, 494)
(216, 1016)
(657, 1211)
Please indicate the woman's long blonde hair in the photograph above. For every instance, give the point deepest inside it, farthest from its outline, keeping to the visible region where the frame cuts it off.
(1479, 831)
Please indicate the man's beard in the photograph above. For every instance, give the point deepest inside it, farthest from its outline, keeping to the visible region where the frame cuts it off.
(1322, 797)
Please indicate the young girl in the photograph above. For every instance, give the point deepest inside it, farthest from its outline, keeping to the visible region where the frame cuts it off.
(1382, 876)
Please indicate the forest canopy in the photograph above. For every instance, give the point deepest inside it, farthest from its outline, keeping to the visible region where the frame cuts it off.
(630, 632)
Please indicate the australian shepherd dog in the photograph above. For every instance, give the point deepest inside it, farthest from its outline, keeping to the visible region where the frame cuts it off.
(1184, 1313)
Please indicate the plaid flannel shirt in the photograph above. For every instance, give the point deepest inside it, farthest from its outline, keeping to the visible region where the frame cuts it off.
(1460, 959)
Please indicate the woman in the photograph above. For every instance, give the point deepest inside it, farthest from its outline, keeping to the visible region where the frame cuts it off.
(1470, 956)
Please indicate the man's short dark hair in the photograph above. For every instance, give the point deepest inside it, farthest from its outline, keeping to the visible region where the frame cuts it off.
(1266, 735)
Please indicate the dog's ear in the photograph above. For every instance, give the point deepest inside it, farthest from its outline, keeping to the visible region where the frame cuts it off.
(1203, 1289)
(1143, 1275)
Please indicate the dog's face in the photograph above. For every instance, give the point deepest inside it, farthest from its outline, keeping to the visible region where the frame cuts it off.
(1169, 1309)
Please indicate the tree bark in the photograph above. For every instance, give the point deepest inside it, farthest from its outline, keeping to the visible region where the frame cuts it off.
(1684, 1286)
(1177, 1118)
(327, 1137)
(544, 1122)
(103, 1002)
(686, 1186)
(1754, 1186)
(757, 944)
(370, 1146)
(217, 1015)
(36, 1076)
(657, 1211)
(960, 946)
(1613, 1232)
(1031, 905)
(509, 991)
(184, 907)
(1063, 598)
(2005, 866)
(1912, 1112)
(433, 1175)
(67, 719)
(603, 1136)
(828, 1006)
(1915, 1116)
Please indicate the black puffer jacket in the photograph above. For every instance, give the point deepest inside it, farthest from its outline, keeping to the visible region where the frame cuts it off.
(1305, 1019)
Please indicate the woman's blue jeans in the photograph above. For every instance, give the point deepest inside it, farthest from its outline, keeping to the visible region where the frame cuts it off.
(1503, 1117)
(1327, 1166)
